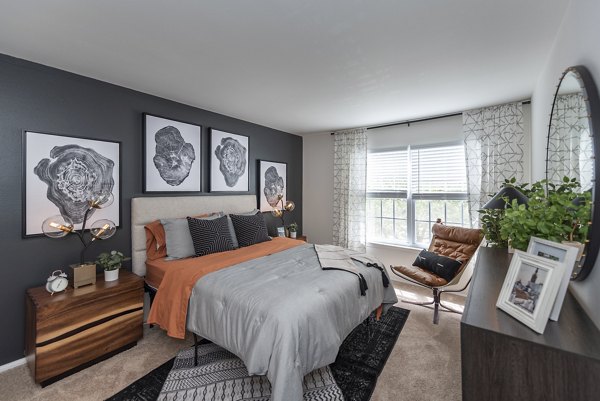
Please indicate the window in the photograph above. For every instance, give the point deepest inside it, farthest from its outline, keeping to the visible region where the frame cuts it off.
(408, 189)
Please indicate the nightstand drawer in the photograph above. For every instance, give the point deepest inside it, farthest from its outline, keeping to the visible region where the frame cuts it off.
(67, 353)
(78, 316)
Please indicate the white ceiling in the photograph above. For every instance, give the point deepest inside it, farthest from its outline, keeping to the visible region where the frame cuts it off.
(299, 66)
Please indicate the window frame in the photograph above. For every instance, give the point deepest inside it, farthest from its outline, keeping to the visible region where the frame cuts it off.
(411, 197)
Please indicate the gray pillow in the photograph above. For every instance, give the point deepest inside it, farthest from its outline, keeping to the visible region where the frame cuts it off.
(232, 230)
(178, 238)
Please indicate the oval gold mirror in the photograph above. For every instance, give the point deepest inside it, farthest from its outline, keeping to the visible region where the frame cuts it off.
(572, 146)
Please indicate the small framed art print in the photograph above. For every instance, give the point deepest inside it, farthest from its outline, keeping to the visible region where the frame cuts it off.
(272, 184)
(530, 289)
(172, 155)
(228, 162)
(560, 253)
(281, 231)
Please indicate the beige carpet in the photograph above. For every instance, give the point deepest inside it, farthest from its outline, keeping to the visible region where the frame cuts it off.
(424, 365)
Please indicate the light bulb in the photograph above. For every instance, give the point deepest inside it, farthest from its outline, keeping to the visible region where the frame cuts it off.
(102, 229)
(102, 200)
(277, 212)
(57, 226)
(289, 206)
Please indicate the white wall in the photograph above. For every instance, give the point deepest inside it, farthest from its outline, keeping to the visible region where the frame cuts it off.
(317, 188)
(576, 44)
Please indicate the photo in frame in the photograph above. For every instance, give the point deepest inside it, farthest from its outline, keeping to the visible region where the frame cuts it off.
(281, 231)
(62, 173)
(272, 184)
(530, 288)
(229, 156)
(172, 155)
(560, 253)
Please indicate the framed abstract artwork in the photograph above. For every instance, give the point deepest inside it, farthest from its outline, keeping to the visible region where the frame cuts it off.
(228, 162)
(530, 288)
(172, 155)
(61, 174)
(272, 184)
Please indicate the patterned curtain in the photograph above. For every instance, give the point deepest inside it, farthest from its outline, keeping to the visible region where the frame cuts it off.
(570, 148)
(494, 141)
(350, 189)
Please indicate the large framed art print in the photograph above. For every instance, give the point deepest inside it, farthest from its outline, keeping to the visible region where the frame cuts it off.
(228, 162)
(172, 155)
(272, 184)
(61, 174)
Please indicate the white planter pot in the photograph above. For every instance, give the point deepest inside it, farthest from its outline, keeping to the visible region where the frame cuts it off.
(293, 234)
(111, 275)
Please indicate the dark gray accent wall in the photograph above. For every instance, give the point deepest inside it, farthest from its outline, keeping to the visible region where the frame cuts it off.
(44, 99)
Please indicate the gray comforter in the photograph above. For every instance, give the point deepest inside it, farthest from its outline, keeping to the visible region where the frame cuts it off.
(283, 315)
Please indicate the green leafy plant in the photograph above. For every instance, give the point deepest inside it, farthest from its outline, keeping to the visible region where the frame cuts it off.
(111, 261)
(491, 219)
(490, 225)
(554, 212)
(293, 227)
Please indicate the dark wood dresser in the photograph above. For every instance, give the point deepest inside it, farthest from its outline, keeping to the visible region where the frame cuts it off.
(69, 331)
(504, 360)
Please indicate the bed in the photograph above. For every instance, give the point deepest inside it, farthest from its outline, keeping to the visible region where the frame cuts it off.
(276, 309)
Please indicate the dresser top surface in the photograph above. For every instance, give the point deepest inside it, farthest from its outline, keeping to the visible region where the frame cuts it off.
(127, 281)
(573, 332)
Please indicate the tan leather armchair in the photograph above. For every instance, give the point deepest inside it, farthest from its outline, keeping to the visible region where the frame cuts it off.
(453, 242)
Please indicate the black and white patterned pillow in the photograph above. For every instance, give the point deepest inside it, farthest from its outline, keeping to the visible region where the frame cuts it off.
(210, 236)
(441, 265)
(250, 230)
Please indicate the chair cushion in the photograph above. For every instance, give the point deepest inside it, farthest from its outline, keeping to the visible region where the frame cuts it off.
(455, 242)
(421, 275)
(441, 265)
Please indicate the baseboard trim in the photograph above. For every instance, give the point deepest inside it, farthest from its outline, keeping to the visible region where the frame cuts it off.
(13, 364)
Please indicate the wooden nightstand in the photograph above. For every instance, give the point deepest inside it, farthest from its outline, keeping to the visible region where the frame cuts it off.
(302, 238)
(69, 331)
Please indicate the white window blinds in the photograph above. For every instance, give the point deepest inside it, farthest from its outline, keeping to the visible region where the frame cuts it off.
(438, 169)
(387, 171)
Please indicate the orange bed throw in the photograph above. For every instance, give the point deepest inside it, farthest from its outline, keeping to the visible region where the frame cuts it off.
(169, 309)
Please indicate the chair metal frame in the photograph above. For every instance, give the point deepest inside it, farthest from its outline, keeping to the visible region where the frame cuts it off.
(459, 283)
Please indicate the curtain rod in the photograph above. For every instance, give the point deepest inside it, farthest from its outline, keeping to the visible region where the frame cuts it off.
(409, 122)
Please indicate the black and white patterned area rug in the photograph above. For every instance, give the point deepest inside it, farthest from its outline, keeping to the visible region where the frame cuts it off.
(354, 374)
(220, 375)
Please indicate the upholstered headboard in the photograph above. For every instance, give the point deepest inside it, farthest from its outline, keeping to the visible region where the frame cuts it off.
(147, 209)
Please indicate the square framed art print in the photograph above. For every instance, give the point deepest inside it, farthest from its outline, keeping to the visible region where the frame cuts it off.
(61, 174)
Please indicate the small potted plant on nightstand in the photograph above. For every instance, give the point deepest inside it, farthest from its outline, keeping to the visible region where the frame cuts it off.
(111, 263)
(293, 229)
